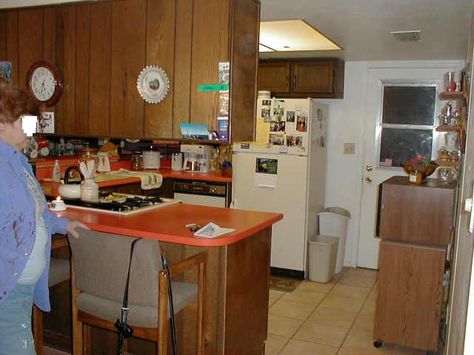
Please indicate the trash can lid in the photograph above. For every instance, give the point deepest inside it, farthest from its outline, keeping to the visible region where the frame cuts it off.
(337, 210)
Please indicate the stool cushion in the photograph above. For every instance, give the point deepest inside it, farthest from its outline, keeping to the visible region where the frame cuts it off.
(59, 271)
(139, 315)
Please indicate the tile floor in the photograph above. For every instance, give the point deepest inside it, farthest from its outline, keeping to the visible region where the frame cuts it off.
(324, 319)
(327, 319)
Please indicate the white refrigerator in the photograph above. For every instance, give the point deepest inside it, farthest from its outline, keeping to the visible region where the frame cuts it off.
(284, 171)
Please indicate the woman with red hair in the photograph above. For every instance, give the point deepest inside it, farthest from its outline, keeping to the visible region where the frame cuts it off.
(26, 226)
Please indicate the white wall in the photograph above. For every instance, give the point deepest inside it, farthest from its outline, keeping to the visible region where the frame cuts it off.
(346, 124)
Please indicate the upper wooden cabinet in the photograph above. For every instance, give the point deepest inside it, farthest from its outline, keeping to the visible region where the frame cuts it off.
(320, 78)
(101, 47)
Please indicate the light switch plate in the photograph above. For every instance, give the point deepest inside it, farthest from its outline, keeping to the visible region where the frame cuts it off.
(349, 148)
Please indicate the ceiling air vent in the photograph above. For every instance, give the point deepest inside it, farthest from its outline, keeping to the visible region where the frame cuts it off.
(407, 36)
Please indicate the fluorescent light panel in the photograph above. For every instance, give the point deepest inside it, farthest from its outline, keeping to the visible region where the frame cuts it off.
(5, 4)
(293, 35)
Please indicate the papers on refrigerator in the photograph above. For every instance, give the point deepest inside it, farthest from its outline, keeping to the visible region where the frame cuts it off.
(212, 230)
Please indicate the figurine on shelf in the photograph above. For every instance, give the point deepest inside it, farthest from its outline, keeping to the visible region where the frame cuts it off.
(446, 115)
(443, 155)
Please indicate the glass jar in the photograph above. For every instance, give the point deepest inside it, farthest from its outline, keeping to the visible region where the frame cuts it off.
(136, 162)
(89, 191)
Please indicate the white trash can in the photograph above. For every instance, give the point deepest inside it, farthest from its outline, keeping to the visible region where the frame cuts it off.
(333, 221)
(322, 254)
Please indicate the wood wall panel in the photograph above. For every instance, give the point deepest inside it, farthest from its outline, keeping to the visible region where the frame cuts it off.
(49, 34)
(182, 64)
(245, 30)
(12, 45)
(82, 69)
(211, 20)
(100, 57)
(3, 36)
(66, 60)
(158, 119)
(128, 59)
(30, 27)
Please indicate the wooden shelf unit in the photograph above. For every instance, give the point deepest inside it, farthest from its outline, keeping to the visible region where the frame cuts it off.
(452, 95)
(416, 228)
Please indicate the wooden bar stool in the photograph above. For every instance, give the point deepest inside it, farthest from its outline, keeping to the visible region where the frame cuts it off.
(99, 270)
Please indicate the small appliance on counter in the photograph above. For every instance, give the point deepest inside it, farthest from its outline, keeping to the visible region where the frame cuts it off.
(196, 157)
(177, 162)
(151, 159)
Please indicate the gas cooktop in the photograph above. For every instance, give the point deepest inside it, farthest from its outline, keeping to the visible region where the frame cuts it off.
(122, 204)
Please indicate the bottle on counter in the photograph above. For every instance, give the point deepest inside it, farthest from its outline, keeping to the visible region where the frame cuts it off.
(56, 171)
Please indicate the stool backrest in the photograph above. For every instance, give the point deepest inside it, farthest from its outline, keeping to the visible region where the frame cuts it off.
(100, 262)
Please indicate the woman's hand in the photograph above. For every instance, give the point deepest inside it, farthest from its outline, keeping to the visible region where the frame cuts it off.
(72, 227)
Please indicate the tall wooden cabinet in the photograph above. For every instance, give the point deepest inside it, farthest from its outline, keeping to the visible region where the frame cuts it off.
(416, 227)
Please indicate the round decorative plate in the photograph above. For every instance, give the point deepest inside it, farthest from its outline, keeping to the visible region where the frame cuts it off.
(153, 84)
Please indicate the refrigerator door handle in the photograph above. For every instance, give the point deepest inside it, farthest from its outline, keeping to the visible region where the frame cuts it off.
(266, 186)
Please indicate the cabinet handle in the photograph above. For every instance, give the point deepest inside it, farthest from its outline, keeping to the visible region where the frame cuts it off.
(368, 180)
(294, 81)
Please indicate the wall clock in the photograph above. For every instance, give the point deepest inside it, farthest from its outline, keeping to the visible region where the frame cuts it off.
(153, 84)
(44, 82)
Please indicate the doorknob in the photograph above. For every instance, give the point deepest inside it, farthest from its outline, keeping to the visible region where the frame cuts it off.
(367, 180)
(369, 167)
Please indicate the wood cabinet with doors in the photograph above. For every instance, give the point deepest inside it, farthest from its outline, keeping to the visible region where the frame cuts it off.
(416, 228)
(319, 78)
(101, 47)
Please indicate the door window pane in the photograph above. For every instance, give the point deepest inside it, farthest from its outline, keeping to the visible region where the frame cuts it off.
(410, 105)
(400, 144)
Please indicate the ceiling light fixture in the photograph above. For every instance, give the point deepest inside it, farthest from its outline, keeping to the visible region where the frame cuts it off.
(293, 35)
(264, 48)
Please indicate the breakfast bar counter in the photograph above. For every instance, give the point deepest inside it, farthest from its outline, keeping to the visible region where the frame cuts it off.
(238, 267)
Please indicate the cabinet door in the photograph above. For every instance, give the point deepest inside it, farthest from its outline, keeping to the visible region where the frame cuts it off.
(274, 77)
(313, 77)
(409, 295)
(419, 214)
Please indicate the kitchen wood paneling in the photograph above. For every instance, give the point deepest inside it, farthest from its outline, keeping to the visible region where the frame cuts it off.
(245, 30)
(3, 35)
(83, 35)
(30, 28)
(66, 60)
(100, 57)
(101, 47)
(161, 17)
(409, 295)
(209, 47)
(13, 45)
(182, 64)
(49, 34)
(128, 59)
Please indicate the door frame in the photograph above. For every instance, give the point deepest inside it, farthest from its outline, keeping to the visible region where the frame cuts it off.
(461, 302)
(372, 67)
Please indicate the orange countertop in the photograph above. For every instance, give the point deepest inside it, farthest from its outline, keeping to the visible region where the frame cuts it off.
(50, 188)
(168, 224)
